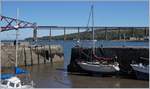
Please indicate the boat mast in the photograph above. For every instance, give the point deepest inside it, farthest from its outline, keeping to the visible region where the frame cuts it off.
(17, 38)
(92, 7)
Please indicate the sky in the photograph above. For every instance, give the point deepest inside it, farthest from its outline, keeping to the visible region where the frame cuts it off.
(74, 13)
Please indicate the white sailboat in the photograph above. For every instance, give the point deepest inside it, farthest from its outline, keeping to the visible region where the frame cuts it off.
(14, 81)
(142, 71)
(97, 66)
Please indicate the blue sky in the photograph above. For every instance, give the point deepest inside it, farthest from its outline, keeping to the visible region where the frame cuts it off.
(65, 13)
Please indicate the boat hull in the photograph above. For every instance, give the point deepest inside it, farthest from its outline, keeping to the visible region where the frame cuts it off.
(141, 75)
(141, 72)
(98, 68)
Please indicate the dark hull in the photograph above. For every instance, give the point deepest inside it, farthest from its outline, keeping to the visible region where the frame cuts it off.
(142, 76)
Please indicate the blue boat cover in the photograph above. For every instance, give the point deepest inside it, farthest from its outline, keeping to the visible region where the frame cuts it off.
(20, 71)
(6, 75)
(17, 71)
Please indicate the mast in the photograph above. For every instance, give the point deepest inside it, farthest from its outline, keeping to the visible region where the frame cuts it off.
(17, 38)
(93, 49)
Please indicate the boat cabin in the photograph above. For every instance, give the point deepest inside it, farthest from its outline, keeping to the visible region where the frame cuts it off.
(13, 82)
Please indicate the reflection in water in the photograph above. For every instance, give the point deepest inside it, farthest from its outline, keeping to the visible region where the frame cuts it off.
(55, 76)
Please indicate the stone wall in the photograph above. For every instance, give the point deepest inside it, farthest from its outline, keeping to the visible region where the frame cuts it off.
(31, 55)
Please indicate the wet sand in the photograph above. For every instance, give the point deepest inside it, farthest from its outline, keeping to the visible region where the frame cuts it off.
(55, 76)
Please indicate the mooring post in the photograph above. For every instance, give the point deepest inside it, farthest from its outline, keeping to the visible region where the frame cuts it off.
(25, 61)
(38, 55)
(31, 56)
(50, 58)
(41, 52)
(44, 55)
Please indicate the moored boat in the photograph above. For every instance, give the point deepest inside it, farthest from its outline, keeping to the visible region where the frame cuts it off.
(98, 64)
(14, 82)
(142, 71)
(99, 67)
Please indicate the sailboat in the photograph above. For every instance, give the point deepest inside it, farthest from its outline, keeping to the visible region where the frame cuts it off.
(11, 80)
(141, 70)
(98, 64)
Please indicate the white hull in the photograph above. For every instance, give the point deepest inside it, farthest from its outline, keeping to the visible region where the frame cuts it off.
(99, 67)
(140, 68)
(6, 87)
(13, 82)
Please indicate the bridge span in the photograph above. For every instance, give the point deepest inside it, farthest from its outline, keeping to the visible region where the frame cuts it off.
(17, 24)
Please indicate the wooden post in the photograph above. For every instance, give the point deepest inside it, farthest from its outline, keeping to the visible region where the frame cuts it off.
(38, 55)
(41, 52)
(31, 56)
(25, 61)
(44, 56)
(50, 53)
(50, 58)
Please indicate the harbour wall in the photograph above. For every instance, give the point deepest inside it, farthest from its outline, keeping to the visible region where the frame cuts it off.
(29, 56)
(125, 56)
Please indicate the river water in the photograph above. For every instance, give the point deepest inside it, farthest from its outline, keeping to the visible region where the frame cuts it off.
(56, 76)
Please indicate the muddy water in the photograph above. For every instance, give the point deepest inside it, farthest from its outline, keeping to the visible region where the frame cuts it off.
(55, 76)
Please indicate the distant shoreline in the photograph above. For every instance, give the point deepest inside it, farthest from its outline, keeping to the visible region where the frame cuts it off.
(80, 40)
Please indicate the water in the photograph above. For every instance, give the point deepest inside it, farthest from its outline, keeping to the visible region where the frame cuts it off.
(55, 76)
